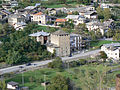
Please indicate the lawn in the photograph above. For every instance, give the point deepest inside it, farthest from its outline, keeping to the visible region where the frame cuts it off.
(101, 42)
(69, 3)
(45, 28)
(79, 75)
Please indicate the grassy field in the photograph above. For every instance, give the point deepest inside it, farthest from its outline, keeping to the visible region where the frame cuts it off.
(45, 28)
(49, 4)
(79, 75)
(101, 42)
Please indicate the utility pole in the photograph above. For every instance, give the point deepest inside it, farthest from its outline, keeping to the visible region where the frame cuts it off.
(34, 70)
(45, 82)
(22, 79)
(22, 76)
(68, 66)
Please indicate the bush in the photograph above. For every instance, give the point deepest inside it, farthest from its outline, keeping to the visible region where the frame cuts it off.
(56, 63)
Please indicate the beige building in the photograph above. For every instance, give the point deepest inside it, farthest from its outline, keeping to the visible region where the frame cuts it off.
(15, 18)
(60, 42)
(41, 18)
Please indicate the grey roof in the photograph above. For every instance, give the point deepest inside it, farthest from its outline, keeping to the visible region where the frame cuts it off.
(90, 12)
(40, 34)
(97, 23)
(5, 11)
(13, 83)
(37, 4)
(1, 13)
(16, 16)
(60, 32)
(21, 23)
(30, 7)
(72, 17)
(13, 2)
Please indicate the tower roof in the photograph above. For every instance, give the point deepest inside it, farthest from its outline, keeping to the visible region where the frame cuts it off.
(60, 32)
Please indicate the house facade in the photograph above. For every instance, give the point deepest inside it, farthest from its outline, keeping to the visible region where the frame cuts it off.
(60, 21)
(112, 50)
(41, 18)
(15, 18)
(78, 19)
(42, 37)
(77, 43)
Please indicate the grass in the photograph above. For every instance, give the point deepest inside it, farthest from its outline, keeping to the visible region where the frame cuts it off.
(101, 42)
(69, 3)
(77, 74)
(45, 28)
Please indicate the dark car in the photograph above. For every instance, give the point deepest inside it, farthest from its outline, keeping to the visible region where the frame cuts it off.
(70, 55)
(28, 64)
(21, 67)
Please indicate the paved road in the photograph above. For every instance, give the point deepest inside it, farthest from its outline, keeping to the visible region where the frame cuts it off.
(42, 63)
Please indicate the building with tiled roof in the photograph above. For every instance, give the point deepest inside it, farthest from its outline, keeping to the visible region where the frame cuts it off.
(39, 13)
(41, 18)
(60, 21)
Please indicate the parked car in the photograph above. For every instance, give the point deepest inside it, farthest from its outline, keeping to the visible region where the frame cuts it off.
(28, 64)
(21, 67)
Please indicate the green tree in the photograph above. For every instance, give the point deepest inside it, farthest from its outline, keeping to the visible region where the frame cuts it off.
(63, 1)
(14, 57)
(109, 33)
(98, 34)
(59, 82)
(103, 55)
(56, 63)
(2, 85)
(107, 13)
(7, 29)
(116, 37)
(100, 13)
(93, 35)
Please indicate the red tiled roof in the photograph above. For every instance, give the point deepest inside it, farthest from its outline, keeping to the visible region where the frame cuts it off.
(60, 20)
(40, 13)
(69, 13)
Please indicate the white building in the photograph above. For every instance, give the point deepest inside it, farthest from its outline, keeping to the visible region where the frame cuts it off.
(14, 3)
(19, 25)
(12, 85)
(91, 15)
(93, 25)
(78, 19)
(103, 6)
(112, 50)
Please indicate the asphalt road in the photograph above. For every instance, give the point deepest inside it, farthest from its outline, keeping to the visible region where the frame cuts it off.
(42, 63)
